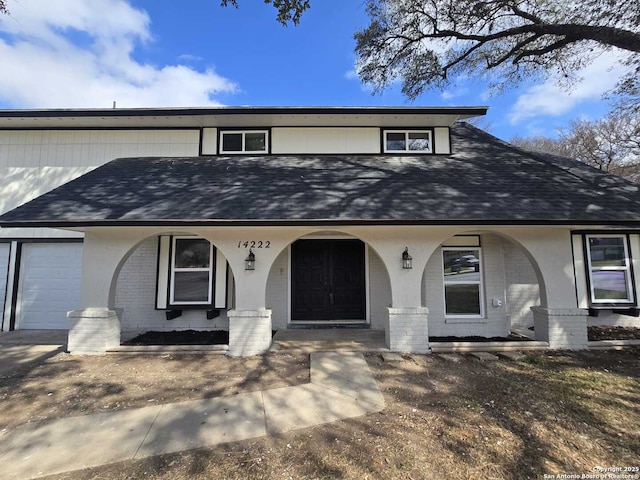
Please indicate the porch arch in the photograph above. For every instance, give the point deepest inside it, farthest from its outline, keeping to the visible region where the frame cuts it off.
(279, 282)
(508, 286)
(141, 284)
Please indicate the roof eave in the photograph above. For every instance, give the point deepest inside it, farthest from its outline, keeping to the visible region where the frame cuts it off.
(78, 224)
(463, 111)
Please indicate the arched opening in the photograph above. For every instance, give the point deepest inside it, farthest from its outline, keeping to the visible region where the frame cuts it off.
(328, 278)
(481, 284)
(172, 281)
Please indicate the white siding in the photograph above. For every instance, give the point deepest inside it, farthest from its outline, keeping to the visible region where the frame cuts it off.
(441, 140)
(136, 295)
(325, 140)
(34, 162)
(209, 141)
(277, 291)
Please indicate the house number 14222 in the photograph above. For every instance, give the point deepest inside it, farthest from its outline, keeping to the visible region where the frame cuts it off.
(254, 244)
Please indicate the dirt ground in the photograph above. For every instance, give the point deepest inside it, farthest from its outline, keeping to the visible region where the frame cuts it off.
(550, 413)
(613, 333)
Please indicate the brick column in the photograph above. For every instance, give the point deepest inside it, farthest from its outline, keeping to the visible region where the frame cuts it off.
(563, 328)
(93, 331)
(249, 332)
(408, 330)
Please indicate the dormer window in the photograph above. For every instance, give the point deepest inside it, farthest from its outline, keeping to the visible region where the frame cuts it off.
(241, 141)
(407, 141)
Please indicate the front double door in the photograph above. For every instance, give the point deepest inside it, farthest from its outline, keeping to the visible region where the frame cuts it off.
(328, 281)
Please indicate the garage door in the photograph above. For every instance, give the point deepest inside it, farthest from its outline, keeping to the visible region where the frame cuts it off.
(4, 268)
(49, 285)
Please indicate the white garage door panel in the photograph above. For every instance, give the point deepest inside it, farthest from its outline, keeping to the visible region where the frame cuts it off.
(49, 285)
(4, 267)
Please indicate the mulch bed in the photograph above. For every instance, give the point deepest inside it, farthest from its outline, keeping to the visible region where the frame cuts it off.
(510, 338)
(181, 337)
(613, 333)
(221, 337)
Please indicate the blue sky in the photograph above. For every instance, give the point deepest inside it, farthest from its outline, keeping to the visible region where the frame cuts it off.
(153, 53)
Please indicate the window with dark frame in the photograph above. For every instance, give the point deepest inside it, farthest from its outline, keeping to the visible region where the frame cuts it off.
(407, 141)
(239, 141)
(462, 282)
(609, 269)
(191, 272)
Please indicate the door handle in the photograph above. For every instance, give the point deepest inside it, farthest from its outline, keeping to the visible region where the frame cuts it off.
(331, 298)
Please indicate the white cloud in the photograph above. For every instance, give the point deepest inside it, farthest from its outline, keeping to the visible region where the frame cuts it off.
(550, 99)
(79, 53)
(351, 75)
(453, 93)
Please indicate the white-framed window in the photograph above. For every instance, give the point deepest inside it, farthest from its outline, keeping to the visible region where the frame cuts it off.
(244, 141)
(609, 269)
(462, 274)
(407, 141)
(191, 272)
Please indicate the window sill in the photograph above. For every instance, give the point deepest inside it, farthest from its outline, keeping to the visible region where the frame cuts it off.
(173, 313)
(189, 306)
(465, 320)
(630, 310)
(244, 153)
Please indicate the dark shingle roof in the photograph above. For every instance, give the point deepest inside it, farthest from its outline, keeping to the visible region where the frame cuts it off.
(484, 181)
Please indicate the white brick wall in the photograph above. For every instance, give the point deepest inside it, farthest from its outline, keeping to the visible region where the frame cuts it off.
(249, 332)
(136, 294)
(408, 330)
(562, 328)
(93, 331)
(522, 288)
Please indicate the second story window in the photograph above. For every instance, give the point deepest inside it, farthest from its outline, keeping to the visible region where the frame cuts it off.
(407, 141)
(249, 141)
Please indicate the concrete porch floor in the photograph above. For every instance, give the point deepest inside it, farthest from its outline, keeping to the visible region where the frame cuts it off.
(329, 339)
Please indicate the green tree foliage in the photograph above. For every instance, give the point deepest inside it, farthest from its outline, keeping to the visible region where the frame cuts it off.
(611, 144)
(288, 10)
(426, 43)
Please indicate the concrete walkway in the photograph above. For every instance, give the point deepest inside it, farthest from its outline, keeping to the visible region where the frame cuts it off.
(341, 387)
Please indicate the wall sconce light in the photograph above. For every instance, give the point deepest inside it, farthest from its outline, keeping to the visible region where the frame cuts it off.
(250, 261)
(406, 259)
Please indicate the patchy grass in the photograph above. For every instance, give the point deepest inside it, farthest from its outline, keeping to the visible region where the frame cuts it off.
(553, 413)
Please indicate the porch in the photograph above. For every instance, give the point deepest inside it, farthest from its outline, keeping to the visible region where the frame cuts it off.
(329, 339)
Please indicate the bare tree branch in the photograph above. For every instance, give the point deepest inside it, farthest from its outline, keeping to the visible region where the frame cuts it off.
(611, 144)
(288, 10)
(433, 41)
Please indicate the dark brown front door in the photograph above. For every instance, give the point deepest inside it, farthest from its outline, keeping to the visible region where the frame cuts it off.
(327, 280)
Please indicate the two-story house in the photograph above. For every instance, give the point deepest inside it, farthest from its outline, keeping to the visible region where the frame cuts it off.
(256, 219)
